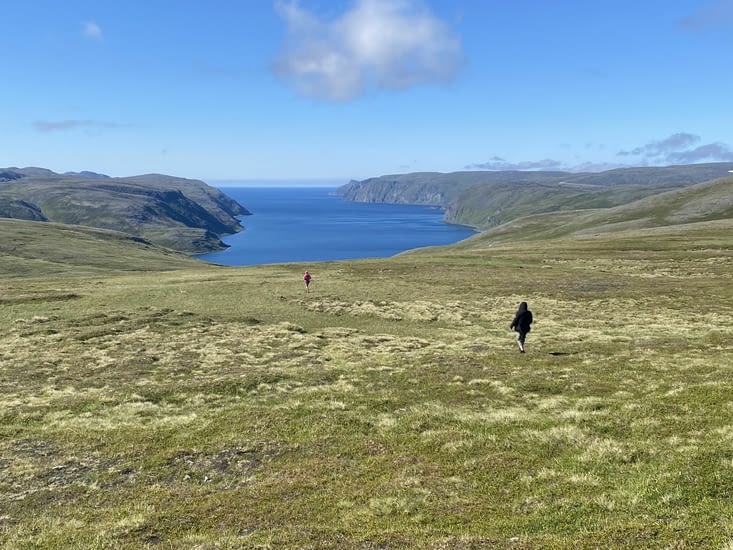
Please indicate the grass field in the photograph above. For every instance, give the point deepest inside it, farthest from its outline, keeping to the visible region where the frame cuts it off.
(389, 408)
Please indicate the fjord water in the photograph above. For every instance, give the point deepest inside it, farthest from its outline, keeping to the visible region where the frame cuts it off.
(303, 224)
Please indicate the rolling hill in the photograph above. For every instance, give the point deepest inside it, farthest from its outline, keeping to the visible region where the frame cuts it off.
(489, 199)
(33, 249)
(182, 214)
(223, 407)
(704, 203)
(150, 400)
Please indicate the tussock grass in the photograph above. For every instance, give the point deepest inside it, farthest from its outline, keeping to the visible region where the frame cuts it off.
(388, 408)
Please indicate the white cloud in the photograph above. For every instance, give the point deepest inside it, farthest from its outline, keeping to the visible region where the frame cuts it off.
(92, 30)
(378, 44)
(677, 148)
(715, 14)
(498, 163)
(550, 165)
(664, 147)
(711, 152)
(64, 125)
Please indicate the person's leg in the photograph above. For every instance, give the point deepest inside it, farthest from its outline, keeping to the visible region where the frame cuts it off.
(520, 340)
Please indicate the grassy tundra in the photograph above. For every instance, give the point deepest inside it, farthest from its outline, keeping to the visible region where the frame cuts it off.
(200, 407)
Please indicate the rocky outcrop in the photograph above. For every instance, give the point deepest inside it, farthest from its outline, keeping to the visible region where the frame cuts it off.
(426, 188)
(21, 210)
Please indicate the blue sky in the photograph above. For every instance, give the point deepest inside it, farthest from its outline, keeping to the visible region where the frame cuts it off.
(334, 89)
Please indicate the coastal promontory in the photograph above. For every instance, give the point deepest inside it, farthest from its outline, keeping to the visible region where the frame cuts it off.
(183, 214)
(486, 199)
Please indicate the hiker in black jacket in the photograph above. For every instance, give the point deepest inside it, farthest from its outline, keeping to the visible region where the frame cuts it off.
(521, 323)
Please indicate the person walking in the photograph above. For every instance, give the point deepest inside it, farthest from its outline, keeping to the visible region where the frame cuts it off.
(307, 280)
(522, 324)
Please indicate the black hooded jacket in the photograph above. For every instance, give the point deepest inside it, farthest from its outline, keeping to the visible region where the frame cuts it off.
(523, 319)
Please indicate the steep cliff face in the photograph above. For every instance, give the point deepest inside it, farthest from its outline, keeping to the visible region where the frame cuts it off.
(219, 205)
(392, 191)
(426, 188)
(186, 215)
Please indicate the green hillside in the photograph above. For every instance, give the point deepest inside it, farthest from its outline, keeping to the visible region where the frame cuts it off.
(709, 202)
(209, 407)
(183, 214)
(488, 199)
(432, 188)
(40, 249)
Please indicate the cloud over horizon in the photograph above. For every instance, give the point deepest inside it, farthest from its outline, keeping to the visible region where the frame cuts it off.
(498, 163)
(92, 30)
(715, 14)
(679, 149)
(63, 125)
(377, 44)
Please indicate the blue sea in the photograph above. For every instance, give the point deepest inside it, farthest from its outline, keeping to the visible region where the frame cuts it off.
(309, 224)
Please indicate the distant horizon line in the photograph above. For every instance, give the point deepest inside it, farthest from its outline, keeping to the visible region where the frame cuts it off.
(277, 182)
(337, 181)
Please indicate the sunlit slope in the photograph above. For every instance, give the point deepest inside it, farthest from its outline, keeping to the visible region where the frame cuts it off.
(178, 213)
(708, 203)
(34, 249)
(149, 399)
(387, 408)
(40, 248)
(489, 199)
